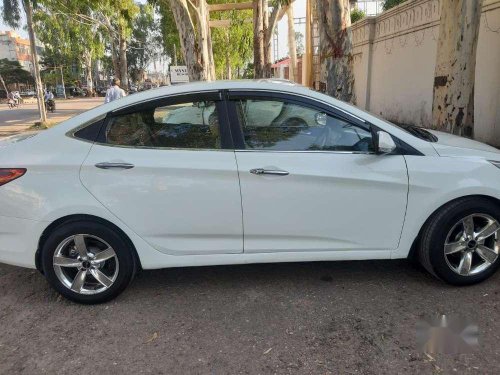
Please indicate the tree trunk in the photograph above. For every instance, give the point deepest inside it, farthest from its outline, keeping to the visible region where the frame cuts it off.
(292, 45)
(453, 104)
(258, 39)
(88, 68)
(211, 53)
(336, 48)
(205, 41)
(4, 86)
(267, 41)
(264, 25)
(34, 56)
(62, 82)
(187, 36)
(115, 59)
(122, 55)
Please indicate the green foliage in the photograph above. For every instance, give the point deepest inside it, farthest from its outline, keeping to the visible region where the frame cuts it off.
(11, 12)
(145, 44)
(68, 36)
(169, 32)
(233, 44)
(299, 42)
(388, 4)
(12, 72)
(357, 14)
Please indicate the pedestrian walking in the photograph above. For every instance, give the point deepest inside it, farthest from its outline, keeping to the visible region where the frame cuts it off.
(114, 92)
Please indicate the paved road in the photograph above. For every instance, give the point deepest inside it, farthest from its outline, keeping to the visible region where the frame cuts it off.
(303, 318)
(16, 120)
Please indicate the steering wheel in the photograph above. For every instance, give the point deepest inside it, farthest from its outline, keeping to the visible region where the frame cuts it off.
(363, 144)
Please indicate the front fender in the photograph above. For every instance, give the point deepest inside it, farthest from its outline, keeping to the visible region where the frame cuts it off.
(436, 181)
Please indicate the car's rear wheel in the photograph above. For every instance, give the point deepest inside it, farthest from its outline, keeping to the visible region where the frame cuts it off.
(87, 262)
(461, 242)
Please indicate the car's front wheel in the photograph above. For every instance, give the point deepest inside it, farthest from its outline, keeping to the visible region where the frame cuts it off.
(87, 262)
(461, 242)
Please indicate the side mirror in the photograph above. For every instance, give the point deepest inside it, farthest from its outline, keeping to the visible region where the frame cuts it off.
(385, 143)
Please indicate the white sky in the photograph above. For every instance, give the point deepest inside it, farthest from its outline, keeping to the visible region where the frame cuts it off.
(299, 11)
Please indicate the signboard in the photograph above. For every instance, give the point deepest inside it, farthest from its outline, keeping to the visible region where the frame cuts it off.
(60, 91)
(178, 74)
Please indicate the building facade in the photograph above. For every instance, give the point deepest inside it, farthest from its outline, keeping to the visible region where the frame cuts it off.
(15, 48)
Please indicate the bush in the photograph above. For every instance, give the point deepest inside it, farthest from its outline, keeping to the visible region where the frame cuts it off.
(357, 14)
(388, 4)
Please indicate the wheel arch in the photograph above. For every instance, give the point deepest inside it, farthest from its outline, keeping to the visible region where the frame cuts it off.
(414, 247)
(81, 217)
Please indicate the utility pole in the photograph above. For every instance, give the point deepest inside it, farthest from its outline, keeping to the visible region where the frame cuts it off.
(34, 56)
(62, 82)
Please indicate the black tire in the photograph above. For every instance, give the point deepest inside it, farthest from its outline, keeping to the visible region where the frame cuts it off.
(122, 248)
(431, 252)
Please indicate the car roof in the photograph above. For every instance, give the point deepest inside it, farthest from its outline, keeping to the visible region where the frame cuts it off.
(271, 85)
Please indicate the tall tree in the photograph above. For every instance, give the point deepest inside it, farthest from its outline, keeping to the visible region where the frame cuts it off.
(258, 39)
(232, 45)
(292, 46)
(265, 22)
(12, 16)
(192, 22)
(117, 17)
(70, 35)
(145, 43)
(336, 48)
(114, 16)
(453, 104)
(168, 28)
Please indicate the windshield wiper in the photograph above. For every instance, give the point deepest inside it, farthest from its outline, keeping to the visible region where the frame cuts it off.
(420, 133)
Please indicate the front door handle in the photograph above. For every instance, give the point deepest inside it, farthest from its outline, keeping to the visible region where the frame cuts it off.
(275, 172)
(108, 165)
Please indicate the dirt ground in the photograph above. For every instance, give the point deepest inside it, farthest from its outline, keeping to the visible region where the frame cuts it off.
(300, 318)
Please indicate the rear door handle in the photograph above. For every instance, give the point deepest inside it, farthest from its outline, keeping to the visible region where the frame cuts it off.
(275, 172)
(108, 165)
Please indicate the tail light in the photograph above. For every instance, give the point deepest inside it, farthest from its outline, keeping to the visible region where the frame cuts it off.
(10, 174)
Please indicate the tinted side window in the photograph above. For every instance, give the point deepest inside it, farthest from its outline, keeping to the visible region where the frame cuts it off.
(183, 125)
(282, 126)
(90, 132)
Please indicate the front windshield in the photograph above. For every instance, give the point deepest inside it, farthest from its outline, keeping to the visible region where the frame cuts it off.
(416, 131)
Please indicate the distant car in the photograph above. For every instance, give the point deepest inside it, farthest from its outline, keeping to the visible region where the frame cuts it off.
(242, 172)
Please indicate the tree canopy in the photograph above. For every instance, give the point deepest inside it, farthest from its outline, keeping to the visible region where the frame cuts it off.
(232, 46)
(145, 43)
(13, 72)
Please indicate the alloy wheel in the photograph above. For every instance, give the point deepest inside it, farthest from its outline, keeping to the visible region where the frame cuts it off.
(473, 244)
(85, 264)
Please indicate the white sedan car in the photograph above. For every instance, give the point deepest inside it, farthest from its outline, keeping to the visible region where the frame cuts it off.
(241, 172)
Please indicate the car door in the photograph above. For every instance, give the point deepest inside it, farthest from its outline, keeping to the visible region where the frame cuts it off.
(310, 180)
(167, 170)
